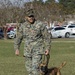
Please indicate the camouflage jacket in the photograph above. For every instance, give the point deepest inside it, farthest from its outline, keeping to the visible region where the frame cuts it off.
(35, 35)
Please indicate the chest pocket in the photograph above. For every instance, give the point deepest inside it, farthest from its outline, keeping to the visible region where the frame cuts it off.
(31, 31)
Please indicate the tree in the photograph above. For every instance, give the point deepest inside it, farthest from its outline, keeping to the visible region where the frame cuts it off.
(68, 6)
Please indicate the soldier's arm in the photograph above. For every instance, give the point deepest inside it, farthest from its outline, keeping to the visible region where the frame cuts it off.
(47, 38)
(18, 38)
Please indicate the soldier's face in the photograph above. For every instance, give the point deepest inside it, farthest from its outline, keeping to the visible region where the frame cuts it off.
(30, 19)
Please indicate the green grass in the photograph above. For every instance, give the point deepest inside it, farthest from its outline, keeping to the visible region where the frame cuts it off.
(61, 50)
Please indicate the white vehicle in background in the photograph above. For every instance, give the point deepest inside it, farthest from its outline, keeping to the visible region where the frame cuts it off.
(11, 34)
(70, 28)
(59, 32)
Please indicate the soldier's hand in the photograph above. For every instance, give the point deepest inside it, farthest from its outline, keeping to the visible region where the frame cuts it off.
(46, 52)
(17, 52)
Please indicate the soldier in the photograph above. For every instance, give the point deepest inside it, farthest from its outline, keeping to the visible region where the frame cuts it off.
(37, 42)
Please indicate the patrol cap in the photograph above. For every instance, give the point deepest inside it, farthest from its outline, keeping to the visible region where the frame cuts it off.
(30, 12)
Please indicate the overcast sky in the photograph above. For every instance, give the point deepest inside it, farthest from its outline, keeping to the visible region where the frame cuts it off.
(55, 0)
(32, 0)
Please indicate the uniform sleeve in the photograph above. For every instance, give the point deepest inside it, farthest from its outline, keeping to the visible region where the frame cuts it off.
(46, 37)
(19, 37)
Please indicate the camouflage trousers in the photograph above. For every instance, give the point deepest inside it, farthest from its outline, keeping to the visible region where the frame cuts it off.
(32, 64)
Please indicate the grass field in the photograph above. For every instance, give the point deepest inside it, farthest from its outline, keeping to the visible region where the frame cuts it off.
(61, 50)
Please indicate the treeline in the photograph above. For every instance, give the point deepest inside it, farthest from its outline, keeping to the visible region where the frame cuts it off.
(47, 11)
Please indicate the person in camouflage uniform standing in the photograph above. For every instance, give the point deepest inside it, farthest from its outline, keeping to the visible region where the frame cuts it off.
(37, 42)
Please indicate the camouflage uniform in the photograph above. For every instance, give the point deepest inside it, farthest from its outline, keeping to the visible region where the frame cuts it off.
(37, 40)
